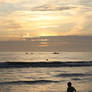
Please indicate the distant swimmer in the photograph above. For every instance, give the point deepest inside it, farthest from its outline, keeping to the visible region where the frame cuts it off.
(70, 87)
(46, 59)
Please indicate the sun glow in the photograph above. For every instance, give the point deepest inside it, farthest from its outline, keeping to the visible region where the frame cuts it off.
(26, 35)
(48, 34)
(39, 34)
(45, 17)
(44, 34)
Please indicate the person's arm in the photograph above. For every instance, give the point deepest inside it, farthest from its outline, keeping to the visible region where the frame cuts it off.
(67, 90)
(74, 89)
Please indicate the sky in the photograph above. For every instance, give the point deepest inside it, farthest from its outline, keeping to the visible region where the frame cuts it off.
(31, 18)
(20, 19)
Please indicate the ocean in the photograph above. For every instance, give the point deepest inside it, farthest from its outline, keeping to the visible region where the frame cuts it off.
(45, 71)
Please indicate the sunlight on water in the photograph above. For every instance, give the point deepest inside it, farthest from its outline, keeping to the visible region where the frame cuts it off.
(45, 79)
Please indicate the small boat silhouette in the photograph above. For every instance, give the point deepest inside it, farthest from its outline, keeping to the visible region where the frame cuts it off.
(55, 53)
(26, 53)
(31, 53)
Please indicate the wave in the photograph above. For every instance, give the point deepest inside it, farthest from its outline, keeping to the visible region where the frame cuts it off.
(29, 82)
(74, 75)
(45, 64)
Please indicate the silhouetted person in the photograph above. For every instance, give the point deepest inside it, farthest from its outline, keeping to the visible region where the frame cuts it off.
(70, 88)
(46, 59)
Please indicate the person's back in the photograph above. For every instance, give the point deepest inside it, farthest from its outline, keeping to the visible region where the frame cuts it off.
(70, 88)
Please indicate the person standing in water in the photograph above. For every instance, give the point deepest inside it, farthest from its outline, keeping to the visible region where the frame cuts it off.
(70, 88)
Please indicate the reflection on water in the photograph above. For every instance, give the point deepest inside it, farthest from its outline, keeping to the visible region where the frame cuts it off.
(45, 79)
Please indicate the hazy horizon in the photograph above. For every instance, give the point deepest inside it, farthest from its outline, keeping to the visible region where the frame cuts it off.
(49, 43)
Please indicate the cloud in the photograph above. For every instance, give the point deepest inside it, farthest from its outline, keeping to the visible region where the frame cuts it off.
(8, 25)
(52, 7)
(7, 8)
(50, 16)
(9, 1)
(85, 1)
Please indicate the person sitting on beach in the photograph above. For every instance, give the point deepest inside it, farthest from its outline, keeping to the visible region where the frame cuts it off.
(70, 88)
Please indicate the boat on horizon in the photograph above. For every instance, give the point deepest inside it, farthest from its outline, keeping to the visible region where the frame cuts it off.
(56, 53)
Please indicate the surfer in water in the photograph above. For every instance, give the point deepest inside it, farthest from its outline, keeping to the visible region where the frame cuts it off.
(70, 87)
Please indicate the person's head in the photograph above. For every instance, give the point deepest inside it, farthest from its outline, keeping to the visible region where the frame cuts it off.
(69, 84)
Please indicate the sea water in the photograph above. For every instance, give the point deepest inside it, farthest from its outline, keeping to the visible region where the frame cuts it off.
(45, 79)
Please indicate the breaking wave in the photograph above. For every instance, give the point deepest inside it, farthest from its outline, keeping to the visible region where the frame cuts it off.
(28, 82)
(45, 64)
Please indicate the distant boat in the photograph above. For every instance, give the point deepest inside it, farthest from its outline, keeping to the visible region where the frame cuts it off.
(55, 53)
(26, 53)
(31, 53)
